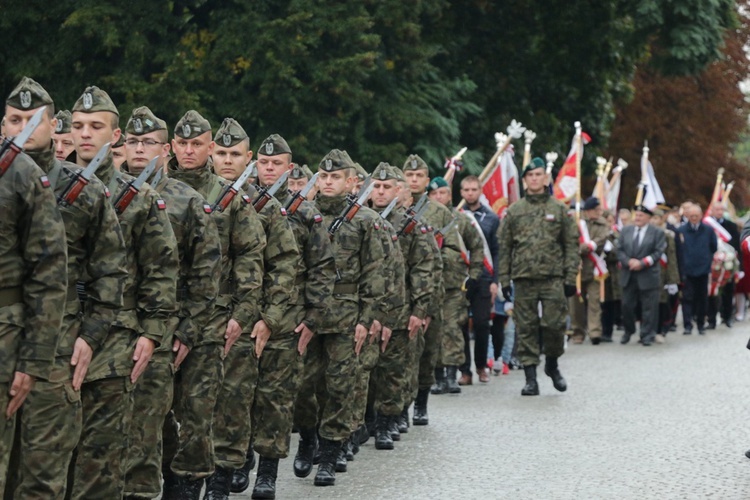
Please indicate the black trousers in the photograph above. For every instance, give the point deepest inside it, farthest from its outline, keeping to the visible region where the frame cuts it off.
(721, 303)
(480, 307)
(695, 301)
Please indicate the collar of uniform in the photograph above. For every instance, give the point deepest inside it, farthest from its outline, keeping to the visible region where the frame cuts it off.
(45, 158)
(282, 195)
(196, 178)
(537, 198)
(107, 169)
(331, 205)
(124, 168)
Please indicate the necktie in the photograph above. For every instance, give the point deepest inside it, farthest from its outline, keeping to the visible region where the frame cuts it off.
(638, 237)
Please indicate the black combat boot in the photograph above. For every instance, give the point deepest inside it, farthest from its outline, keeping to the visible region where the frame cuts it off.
(451, 383)
(552, 371)
(440, 385)
(265, 482)
(420, 408)
(341, 459)
(403, 420)
(181, 488)
(370, 417)
(329, 451)
(217, 484)
(362, 434)
(383, 439)
(308, 446)
(349, 448)
(241, 476)
(531, 388)
(393, 427)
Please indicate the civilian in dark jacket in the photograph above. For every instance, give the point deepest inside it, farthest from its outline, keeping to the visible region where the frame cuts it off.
(722, 303)
(698, 248)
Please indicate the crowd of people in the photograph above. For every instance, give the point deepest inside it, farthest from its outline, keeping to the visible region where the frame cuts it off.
(172, 308)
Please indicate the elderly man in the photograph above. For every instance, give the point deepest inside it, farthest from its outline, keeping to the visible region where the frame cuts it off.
(722, 302)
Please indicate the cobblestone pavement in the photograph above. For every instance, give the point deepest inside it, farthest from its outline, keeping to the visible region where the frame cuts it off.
(666, 421)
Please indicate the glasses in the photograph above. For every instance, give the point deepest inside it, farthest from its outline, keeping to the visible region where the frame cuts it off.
(146, 143)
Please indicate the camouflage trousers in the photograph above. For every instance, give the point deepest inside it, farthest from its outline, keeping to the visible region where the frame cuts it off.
(99, 462)
(329, 370)
(189, 446)
(428, 347)
(456, 313)
(279, 373)
(586, 316)
(411, 368)
(535, 334)
(232, 413)
(364, 364)
(389, 378)
(152, 400)
(7, 433)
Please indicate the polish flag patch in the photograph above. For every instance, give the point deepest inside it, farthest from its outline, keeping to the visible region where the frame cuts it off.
(207, 208)
(106, 192)
(318, 218)
(247, 199)
(161, 204)
(45, 181)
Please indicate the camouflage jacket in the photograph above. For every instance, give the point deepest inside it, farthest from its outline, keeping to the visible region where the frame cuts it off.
(199, 252)
(455, 272)
(242, 244)
(599, 233)
(316, 272)
(538, 241)
(360, 257)
(437, 217)
(393, 300)
(33, 274)
(96, 257)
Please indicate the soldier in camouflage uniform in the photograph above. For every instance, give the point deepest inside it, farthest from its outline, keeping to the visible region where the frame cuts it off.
(238, 307)
(197, 285)
(669, 277)
(62, 136)
(140, 326)
(428, 345)
(298, 178)
(50, 423)
(539, 252)
(33, 286)
(118, 151)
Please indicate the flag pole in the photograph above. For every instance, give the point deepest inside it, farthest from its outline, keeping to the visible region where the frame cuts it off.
(551, 157)
(644, 175)
(579, 150)
(717, 190)
(529, 137)
(452, 165)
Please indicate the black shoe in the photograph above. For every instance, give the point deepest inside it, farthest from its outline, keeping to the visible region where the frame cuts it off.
(451, 383)
(341, 459)
(217, 484)
(308, 446)
(747, 453)
(420, 408)
(241, 476)
(349, 449)
(596, 341)
(688, 330)
(701, 331)
(393, 428)
(710, 326)
(403, 421)
(362, 435)
(329, 451)
(265, 482)
(531, 388)
(383, 436)
(180, 487)
(441, 385)
(672, 328)
(728, 323)
(606, 339)
(625, 338)
(552, 370)
(646, 342)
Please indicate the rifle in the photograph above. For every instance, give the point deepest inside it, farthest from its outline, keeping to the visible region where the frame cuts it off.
(352, 207)
(133, 187)
(440, 233)
(81, 179)
(11, 149)
(385, 213)
(231, 190)
(265, 194)
(298, 198)
(412, 216)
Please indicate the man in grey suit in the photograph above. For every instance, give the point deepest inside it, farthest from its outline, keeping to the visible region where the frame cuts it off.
(639, 249)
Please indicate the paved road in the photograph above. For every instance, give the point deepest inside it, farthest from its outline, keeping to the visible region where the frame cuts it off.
(666, 421)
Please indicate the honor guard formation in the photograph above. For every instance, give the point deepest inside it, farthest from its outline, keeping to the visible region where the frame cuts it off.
(176, 304)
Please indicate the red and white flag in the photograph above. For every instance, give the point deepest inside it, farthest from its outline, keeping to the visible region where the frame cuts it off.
(487, 255)
(566, 183)
(501, 188)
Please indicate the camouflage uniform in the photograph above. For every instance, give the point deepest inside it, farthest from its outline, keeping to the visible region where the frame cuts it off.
(33, 284)
(586, 316)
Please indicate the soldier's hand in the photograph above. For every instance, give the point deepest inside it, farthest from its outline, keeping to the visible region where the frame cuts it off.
(385, 336)
(144, 349)
(19, 389)
(305, 335)
(232, 333)
(81, 359)
(360, 335)
(181, 351)
(260, 333)
(508, 293)
(414, 325)
(376, 327)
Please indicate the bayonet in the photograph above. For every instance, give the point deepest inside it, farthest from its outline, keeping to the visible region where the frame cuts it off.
(156, 178)
(385, 213)
(230, 191)
(265, 194)
(353, 206)
(132, 188)
(81, 179)
(11, 148)
(298, 198)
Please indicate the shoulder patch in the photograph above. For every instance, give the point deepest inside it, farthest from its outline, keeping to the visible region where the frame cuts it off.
(107, 194)
(160, 204)
(423, 229)
(207, 208)
(247, 199)
(318, 218)
(45, 181)
(377, 226)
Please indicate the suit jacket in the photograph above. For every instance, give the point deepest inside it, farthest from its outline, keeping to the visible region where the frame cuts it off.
(652, 246)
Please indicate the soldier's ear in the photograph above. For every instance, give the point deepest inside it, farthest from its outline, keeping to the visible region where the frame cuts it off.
(211, 146)
(116, 133)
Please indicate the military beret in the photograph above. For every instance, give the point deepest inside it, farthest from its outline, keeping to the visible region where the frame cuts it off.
(533, 165)
(591, 203)
(274, 145)
(191, 125)
(120, 142)
(64, 120)
(643, 208)
(230, 133)
(384, 172)
(93, 100)
(336, 160)
(436, 183)
(414, 162)
(28, 94)
(143, 121)
(298, 172)
(361, 172)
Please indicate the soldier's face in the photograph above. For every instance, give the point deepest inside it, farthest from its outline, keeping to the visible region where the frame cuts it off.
(193, 153)
(118, 156)
(270, 168)
(91, 131)
(335, 183)
(417, 180)
(641, 218)
(470, 192)
(230, 162)
(296, 185)
(141, 149)
(442, 195)
(63, 145)
(384, 192)
(16, 119)
(535, 181)
(404, 194)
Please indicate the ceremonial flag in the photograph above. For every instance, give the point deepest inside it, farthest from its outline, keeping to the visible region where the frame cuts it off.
(612, 196)
(501, 187)
(566, 183)
(653, 195)
(487, 254)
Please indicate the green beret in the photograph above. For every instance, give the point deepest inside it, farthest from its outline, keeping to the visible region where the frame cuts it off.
(229, 134)
(28, 94)
(414, 162)
(191, 125)
(142, 121)
(64, 120)
(120, 142)
(274, 145)
(336, 160)
(533, 165)
(436, 183)
(384, 172)
(93, 100)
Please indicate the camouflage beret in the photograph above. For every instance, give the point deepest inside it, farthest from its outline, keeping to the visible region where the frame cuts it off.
(274, 145)
(93, 100)
(414, 162)
(28, 94)
(384, 172)
(336, 160)
(120, 142)
(143, 121)
(436, 183)
(533, 165)
(229, 134)
(191, 125)
(64, 120)
(361, 172)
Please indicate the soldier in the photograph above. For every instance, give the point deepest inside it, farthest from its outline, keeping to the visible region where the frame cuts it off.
(148, 303)
(280, 263)
(50, 423)
(298, 178)
(197, 285)
(437, 216)
(538, 252)
(118, 151)
(33, 285)
(62, 137)
(586, 313)
(237, 309)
